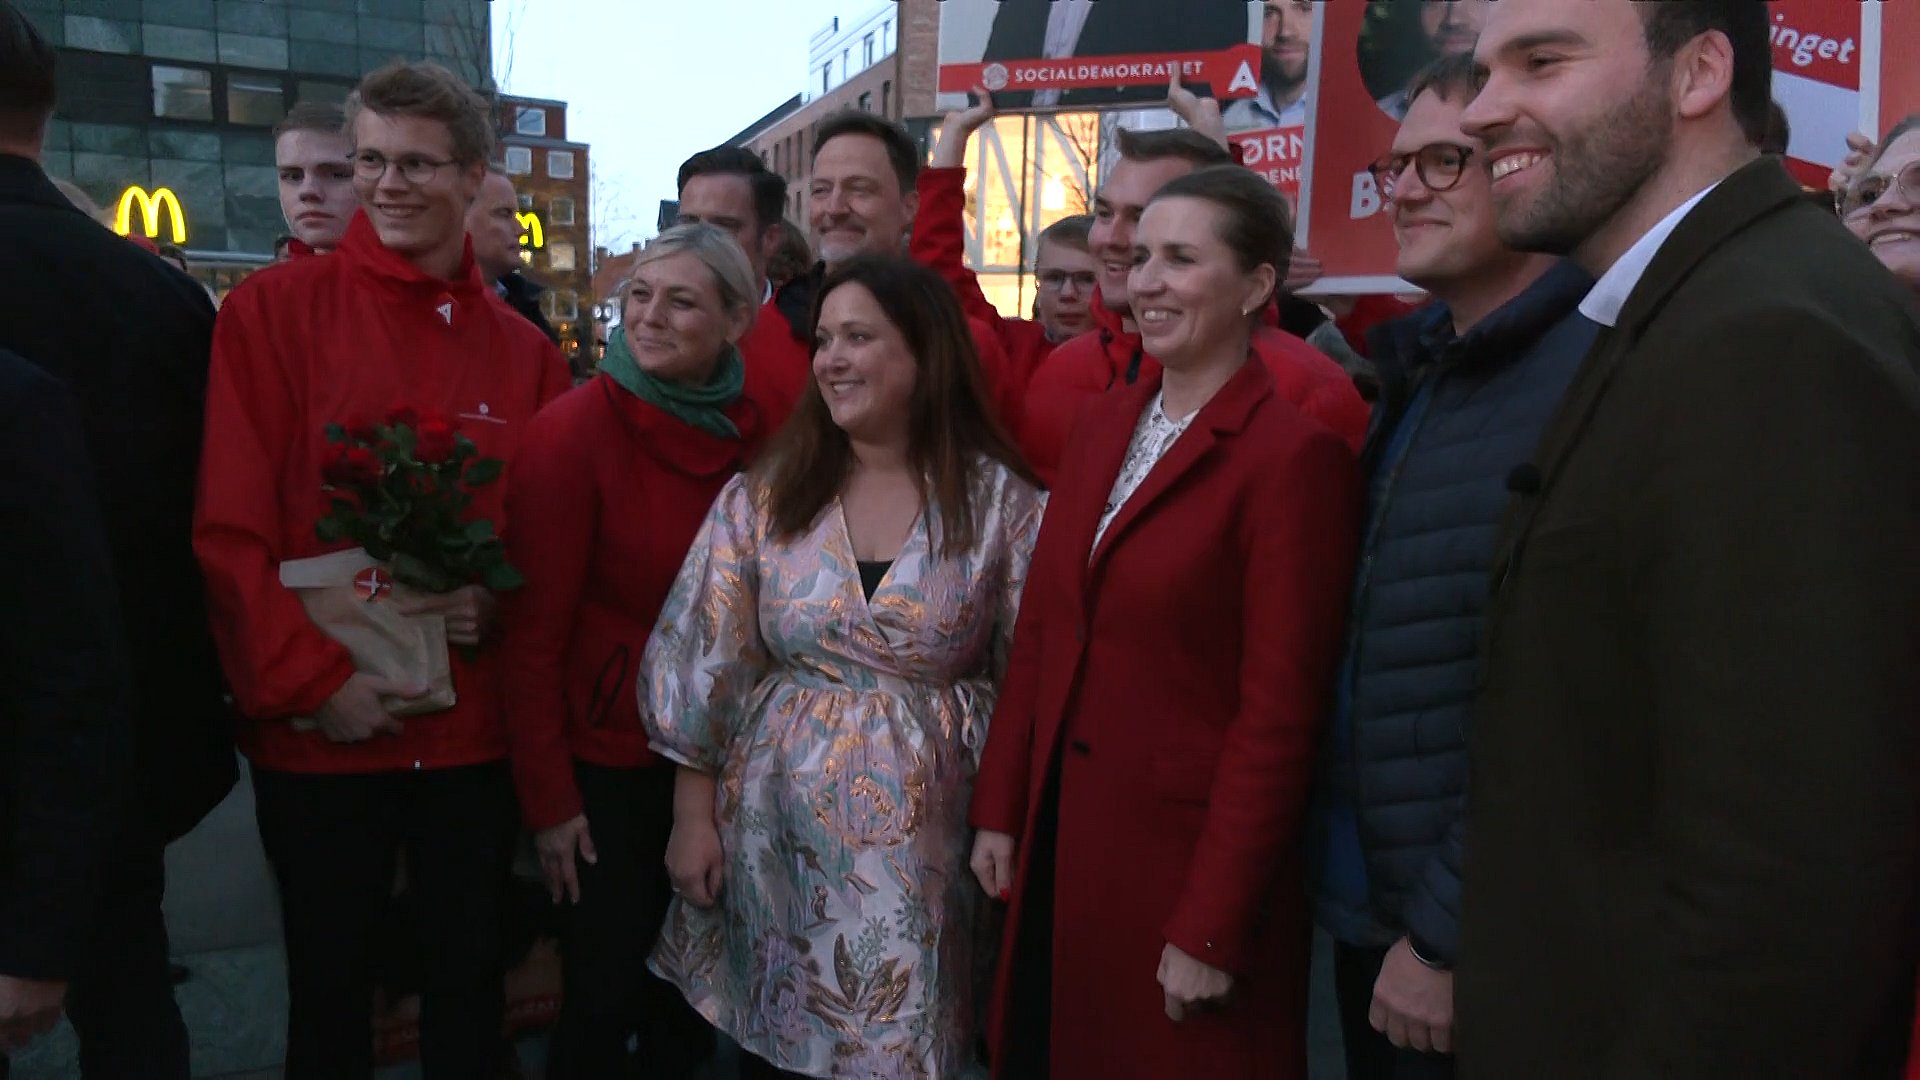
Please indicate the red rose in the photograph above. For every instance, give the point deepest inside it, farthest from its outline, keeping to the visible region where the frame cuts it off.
(403, 416)
(351, 465)
(362, 430)
(433, 441)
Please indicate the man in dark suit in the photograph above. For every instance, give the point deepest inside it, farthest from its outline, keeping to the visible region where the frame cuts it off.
(1695, 790)
(130, 336)
(65, 692)
(1053, 29)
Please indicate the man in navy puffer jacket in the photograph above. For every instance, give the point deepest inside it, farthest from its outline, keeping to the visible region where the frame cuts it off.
(1467, 385)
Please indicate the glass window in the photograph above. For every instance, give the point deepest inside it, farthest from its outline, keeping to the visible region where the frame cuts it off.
(102, 35)
(866, 102)
(826, 73)
(182, 93)
(886, 97)
(560, 256)
(519, 160)
(526, 202)
(255, 100)
(326, 93)
(560, 164)
(560, 212)
(563, 305)
(868, 48)
(252, 50)
(179, 43)
(530, 120)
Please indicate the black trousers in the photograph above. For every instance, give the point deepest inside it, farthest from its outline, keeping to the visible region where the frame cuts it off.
(122, 1005)
(332, 842)
(611, 998)
(1370, 1054)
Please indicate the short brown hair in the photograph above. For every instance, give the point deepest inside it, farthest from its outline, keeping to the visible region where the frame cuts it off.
(1258, 227)
(1184, 143)
(1068, 231)
(322, 116)
(950, 425)
(431, 92)
(902, 153)
(1452, 77)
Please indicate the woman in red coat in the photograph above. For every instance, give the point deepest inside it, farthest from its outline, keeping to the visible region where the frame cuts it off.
(1152, 744)
(611, 484)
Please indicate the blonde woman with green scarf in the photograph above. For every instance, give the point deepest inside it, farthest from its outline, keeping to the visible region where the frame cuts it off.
(612, 482)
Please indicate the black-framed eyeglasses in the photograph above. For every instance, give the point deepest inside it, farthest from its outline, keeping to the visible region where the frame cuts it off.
(1439, 166)
(1858, 197)
(1055, 280)
(414, 169)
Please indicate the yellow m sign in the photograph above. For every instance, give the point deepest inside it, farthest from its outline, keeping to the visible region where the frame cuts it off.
(150, 206)
(531, 234)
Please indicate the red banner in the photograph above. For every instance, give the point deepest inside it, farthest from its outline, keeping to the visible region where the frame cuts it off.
(1277, 154)
(1234, 70)
(1899, 76)
(1818, 56)
(1341, 209)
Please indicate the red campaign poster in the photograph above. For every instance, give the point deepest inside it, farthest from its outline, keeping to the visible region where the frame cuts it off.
(1269, 129)
(1044, 55)
(1275, 153)
(1351, 125)
(1819, 53)
(1899, 75)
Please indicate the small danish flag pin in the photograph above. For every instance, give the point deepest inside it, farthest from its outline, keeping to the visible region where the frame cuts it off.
(371, 584)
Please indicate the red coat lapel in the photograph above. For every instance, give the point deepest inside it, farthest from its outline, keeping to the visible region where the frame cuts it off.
(1225, 415)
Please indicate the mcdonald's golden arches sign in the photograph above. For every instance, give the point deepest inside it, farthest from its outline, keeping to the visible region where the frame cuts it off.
(151, 204)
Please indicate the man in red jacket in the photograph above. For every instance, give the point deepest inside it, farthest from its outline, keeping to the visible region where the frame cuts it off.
(314, 159)
(1063, 267)
(730, 188)
(397, 316)
(1112, 354)
(862, 202)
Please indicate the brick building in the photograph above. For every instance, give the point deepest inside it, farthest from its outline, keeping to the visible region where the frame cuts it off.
(552, 176)
(884, 63)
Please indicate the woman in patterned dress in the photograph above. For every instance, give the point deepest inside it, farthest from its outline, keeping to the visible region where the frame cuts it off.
(823, 672)
(1142, 794)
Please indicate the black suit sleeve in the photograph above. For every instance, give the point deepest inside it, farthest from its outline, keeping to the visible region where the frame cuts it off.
(66, 697)
(1782, 604)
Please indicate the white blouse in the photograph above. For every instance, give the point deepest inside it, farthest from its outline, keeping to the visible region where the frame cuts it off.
(1153, 436)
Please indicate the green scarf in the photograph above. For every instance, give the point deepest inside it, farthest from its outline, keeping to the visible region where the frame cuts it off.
(700, 406)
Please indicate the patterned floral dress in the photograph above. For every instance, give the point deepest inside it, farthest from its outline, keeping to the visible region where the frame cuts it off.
(845, 734)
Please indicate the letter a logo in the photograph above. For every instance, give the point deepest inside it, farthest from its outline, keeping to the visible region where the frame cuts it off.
(446, 312)
(1243, 79)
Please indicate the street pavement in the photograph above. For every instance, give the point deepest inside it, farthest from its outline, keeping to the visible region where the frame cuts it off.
(224, 922)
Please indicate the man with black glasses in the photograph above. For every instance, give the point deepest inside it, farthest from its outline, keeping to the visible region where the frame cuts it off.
(396, 318)
(1467, 384)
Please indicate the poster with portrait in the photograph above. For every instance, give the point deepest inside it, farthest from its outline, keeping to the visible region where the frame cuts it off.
(1046, 55)
(1364, 57)
(1819, 68)
(1269, 129)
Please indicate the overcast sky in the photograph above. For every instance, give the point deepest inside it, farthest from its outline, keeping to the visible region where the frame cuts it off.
(649, 82)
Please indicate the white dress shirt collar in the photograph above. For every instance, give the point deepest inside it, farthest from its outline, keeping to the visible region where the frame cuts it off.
(1610, 293)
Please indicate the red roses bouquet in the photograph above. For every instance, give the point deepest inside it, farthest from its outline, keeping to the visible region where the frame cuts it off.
(398, 489)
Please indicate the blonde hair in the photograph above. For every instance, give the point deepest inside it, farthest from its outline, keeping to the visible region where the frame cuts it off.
(718, 252)
(80, 200)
